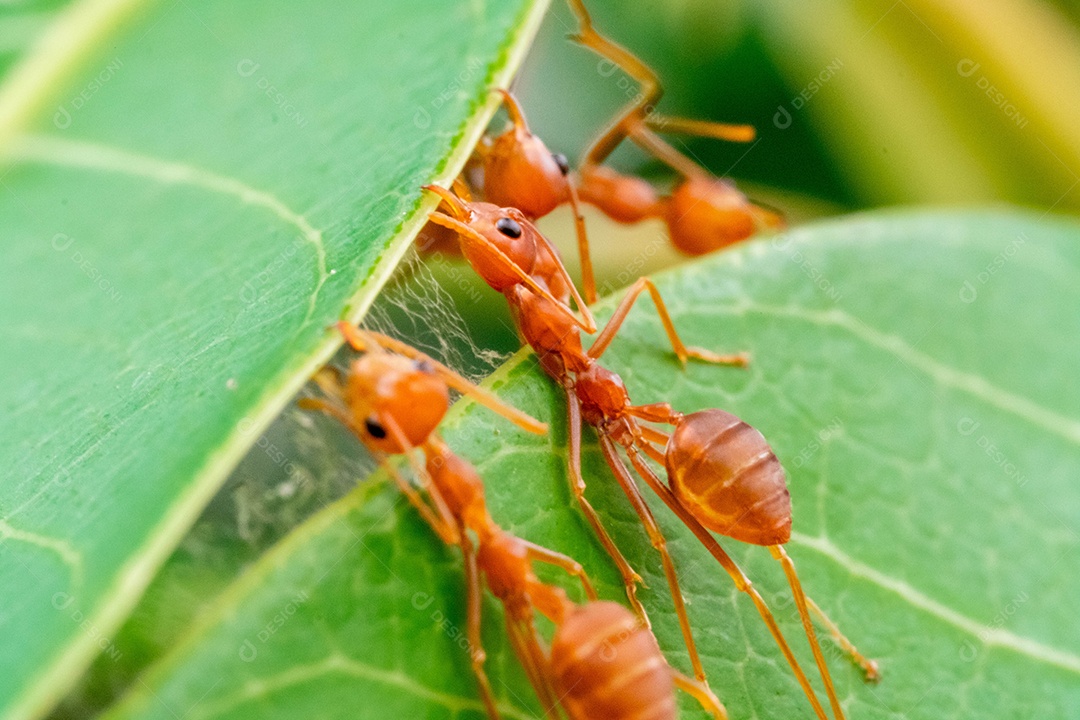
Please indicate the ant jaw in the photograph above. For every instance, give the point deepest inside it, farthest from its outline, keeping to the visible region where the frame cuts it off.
(459, 208)
(514, 111)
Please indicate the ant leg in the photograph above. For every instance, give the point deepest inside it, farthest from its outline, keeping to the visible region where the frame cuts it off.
(800, 603)
(564, 562)
(742, 583)
(330, 408)
(682, 351)
(651, 90)
(654, 452)
(657, 438)
(532, 657)
(700, 692)
(658, 541)
(630, 577)
(588, 276)
(870, 669)
(655, 412)
(474, 600)
(640, 134)
(700, 128)
(353, 335)
(445, 530)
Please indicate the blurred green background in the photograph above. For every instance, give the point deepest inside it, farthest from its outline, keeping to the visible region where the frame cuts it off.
(857, 104)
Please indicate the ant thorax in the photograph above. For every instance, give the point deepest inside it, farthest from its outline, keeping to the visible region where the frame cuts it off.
(504, 560)
(545, 329)
(458, 483)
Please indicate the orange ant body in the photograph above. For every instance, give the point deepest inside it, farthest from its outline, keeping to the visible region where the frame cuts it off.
(711, 478)
(393, 402)
(703, 213)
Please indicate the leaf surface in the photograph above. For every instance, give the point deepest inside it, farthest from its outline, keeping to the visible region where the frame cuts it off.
(190, 193)
(914, 374)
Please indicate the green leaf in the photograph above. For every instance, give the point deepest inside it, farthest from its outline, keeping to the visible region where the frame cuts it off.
(914, 374)
(191, 193)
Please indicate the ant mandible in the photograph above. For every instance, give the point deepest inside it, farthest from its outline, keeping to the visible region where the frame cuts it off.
(393, 399)
(699, 494)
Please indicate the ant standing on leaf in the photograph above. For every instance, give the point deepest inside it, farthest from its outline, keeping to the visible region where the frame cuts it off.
(602, 662)
(721, 477)
(721, 474)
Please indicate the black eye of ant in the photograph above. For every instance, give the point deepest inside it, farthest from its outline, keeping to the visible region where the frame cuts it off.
(376, 430)
(562, 162)
(508, 227)
(424, 366)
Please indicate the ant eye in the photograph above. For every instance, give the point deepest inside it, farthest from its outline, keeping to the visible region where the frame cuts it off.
(508, 227)
(424, 366)
(562, 162)
(376, 430)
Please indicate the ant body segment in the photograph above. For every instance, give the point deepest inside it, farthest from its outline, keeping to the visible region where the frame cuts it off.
(711, 478)
(703, 213)
(602, 662)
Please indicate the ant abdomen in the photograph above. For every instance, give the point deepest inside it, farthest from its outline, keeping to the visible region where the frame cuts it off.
(724, 472)
(605, 664)
(706, 214)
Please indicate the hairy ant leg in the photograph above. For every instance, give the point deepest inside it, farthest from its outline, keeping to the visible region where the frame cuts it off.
(630, 578)
(656, 538)
(603, 340)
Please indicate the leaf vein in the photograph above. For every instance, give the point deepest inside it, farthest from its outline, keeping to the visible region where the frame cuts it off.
(80, 154)
(975, 385)
(63, 549)
(988, 636)
(337, 663)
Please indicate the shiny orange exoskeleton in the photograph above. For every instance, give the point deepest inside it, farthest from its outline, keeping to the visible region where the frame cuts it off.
(702, 213)
(602, 662)
(697, 489)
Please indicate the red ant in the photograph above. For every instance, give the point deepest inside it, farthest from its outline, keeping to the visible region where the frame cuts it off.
(733, 485)
(393, 398)
(703, 213)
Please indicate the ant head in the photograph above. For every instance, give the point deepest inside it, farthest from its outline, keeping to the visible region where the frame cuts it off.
(393, 398)
(706, 214)
(520, 171)
(491, 237)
